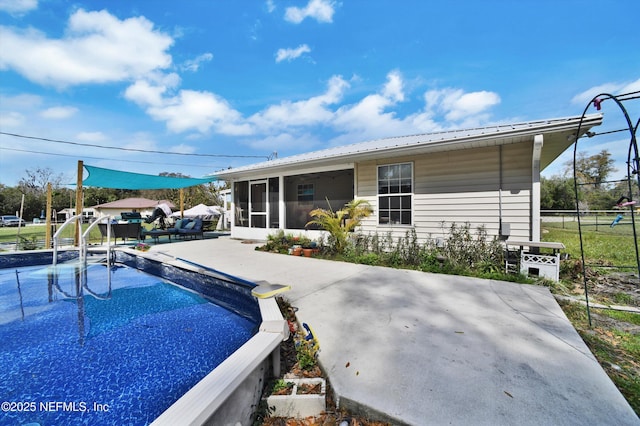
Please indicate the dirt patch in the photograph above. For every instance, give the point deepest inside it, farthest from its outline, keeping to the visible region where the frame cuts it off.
(617, 287)
(610, 288)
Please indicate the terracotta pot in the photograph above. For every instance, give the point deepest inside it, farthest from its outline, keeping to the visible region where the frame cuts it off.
(307, 252)
(297, 251)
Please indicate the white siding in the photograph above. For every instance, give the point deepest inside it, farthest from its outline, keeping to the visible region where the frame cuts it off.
(458, 187)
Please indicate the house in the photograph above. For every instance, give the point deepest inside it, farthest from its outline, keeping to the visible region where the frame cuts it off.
(144, 206)
(88, 213)
(486, 176)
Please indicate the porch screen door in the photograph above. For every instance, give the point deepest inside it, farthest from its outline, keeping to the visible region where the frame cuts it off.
(258, 205)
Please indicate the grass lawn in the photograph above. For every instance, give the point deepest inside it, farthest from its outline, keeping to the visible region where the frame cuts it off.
(604, 246)
(37, 233)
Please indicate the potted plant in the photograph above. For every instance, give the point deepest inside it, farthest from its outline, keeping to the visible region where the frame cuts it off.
(142, 247)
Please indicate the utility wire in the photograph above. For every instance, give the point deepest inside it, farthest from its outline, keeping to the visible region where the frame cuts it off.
(109, 159)
(133, 149)
(592, 134)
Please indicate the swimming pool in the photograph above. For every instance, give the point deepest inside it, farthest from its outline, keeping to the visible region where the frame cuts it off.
(114, 346)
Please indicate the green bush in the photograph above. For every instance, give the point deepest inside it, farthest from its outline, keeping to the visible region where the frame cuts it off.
(339, 224)
(461, 253)
(28, 243)
(367, 259)
(281, 242)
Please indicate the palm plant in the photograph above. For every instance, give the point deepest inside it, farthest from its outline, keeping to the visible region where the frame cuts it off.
(340, 223)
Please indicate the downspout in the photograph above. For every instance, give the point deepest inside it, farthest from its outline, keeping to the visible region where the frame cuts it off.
(500, 229)
(232, 221)
(535, 188)
(282, 206)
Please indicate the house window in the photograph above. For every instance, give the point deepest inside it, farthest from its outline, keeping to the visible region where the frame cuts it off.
(395, 190)
(305, 193)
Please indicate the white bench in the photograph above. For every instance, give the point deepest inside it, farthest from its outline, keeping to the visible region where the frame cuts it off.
(534, 262)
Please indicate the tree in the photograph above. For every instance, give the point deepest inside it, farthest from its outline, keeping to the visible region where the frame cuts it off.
(37, 179)
(593, 170)
(94, 196)
(200, 194)
(557, 193)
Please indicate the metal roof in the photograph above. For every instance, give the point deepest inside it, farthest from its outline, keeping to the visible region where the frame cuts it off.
(422, 143)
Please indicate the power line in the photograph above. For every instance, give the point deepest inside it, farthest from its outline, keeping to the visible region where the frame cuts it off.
(109, 159)
(133, 149)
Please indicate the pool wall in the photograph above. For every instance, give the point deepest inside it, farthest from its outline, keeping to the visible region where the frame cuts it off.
(34, 258)
(234, 295)
(230, 393)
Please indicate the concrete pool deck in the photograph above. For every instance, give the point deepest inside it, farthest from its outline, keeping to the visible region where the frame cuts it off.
(425, 349)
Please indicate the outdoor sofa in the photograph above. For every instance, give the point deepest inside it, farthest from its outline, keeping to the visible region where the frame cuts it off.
(121, 230)
(183, 228)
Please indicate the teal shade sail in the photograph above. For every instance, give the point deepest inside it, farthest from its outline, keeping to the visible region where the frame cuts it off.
(107, 178)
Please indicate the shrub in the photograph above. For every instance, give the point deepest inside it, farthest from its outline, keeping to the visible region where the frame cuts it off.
(461, 252)
(464, 250)
(367, 259)
(28, 243)
(340, 223)
(281, 242)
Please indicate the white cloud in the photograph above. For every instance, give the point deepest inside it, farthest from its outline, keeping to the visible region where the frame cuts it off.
(307, 112)
(613, 88)
(455, 104)
(97, 48)
(143, 93)
(285, 141)
(22, 101)
(18, 7)
(194, 64)
(11, 120)
(182, 149)
(91, 137)
(288, 122)
(151, 91)
(291, 54)
(58, 113)
(201, 111)
(320, 10)
(369, 118)
(393, 89)
(270, 6)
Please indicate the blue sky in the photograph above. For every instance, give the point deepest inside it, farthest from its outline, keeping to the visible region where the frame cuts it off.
(240, 80)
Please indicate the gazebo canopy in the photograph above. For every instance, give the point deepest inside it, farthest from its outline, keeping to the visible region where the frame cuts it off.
(200, 211)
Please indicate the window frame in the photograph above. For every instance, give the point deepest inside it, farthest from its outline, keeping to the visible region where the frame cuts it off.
(395, 191)
(306, 193)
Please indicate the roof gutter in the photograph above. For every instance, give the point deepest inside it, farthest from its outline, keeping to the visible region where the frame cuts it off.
(499, 137)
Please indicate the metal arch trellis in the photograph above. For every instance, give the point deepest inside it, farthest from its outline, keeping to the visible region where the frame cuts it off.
(632, 177)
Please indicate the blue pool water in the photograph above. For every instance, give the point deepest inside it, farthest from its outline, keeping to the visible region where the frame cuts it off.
(121, 353)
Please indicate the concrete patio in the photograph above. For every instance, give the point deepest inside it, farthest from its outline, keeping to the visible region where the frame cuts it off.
(428, 349)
